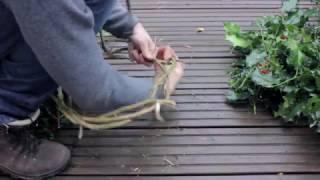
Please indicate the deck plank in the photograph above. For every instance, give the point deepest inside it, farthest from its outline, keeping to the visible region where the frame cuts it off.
(193, 151)
(241, 177)
(204, 138)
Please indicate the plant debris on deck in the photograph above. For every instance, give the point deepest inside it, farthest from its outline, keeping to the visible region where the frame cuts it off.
(280, 64)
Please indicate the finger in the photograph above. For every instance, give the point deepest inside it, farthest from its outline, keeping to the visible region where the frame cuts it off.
(130, 46)
(148, 51)
(148, 63)
(137, 57)
(175, 77)
(165, 53)
(131, 55)
(140, 59)
(153, 49)
(144, 61)
(130, 52)
(168, 53)
(160, 53)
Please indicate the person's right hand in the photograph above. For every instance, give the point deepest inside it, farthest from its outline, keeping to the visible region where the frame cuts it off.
(142, 49)
(166, 53)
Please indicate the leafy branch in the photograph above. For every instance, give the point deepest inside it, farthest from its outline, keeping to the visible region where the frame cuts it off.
(279, 64)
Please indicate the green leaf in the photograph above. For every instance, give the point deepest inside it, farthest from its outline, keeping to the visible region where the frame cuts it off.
(313, 104)
(300, 17)
(317, 79)
(265, 80)
(296, 58)
(296, 18)
(232, 28)
(290, 108)
(237, 97)
(290, 89)
(256, 56)
(292, 44)
(289, 5)
(238, 41)
(235, 36)
(311, 12)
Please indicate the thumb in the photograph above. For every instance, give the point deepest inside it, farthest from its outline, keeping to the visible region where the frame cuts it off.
(166, 53)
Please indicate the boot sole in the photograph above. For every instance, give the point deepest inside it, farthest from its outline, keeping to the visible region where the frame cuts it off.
(14, 175)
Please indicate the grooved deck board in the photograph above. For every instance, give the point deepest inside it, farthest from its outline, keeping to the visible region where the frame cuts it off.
(204, 138)
(243, 177)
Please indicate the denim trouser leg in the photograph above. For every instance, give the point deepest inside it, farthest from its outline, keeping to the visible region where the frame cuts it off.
(24, 84)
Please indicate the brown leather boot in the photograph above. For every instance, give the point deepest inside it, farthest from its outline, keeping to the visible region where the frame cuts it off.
(24, 156)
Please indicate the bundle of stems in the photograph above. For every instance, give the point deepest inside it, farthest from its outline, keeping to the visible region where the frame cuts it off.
(126, 114)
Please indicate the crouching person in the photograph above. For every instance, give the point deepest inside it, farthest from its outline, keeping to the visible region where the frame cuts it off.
(46, 44)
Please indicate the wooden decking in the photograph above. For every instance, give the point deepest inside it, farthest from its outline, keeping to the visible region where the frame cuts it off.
(205, 138)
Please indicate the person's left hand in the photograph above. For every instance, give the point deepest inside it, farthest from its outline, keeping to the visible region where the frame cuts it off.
(142, 49)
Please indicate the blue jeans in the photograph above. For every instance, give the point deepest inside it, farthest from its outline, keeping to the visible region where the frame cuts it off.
(24, 84)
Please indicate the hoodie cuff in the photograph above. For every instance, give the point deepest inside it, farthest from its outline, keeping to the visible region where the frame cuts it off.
(128, 30)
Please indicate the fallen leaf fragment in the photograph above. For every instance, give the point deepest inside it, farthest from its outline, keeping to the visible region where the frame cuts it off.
(200, 29)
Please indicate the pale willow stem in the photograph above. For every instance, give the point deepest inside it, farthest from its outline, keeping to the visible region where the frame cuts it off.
(80, 133)
(131, 115)
(123, 115)
(157, 112)
(78, 120)
(101, 119)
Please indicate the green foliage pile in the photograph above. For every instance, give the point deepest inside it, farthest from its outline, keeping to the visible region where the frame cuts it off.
(279, 64)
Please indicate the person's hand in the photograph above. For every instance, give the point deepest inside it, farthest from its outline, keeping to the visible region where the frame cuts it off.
(166, 53)
(142, 49)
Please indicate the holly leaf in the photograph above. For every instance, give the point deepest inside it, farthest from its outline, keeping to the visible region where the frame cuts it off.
(256, 56)
(238, 41)
(264, 80)
(289, 5)
(235, 36)
(301, 17)
(311, 12)
(313, 104)
(290, 108)
(317, 79)
(237, 97)
(296, 18)
(296, 58)
(232, 28)
(292, 44)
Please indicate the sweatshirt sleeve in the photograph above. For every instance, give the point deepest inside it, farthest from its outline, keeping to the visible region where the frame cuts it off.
(61, 35)
(121, 22)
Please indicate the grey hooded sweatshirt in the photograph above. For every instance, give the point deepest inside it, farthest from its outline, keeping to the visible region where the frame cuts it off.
(62, 36)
